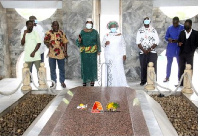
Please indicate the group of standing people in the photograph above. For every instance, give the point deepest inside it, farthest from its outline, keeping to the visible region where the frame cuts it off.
(182, 42)
(56, 42)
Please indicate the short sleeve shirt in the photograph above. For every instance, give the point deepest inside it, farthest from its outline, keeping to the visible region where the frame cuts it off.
(57, 41)
(31, 41)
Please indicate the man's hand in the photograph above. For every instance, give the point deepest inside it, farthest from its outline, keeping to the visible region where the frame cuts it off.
(99, 53)
(32, 54)
(145, 51)
(124, 57)
(170, 40)
(174, 41)
(180, 43)
(66, 55)
(149, 50)
(25, 31)
(48, 45)
(107, 43)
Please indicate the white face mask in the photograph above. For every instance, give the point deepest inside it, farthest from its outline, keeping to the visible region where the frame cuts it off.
(88, 26)
(113, 30)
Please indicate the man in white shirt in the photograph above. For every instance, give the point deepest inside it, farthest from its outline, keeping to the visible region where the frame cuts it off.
(147, 39)
(31, 42)
(40, 31)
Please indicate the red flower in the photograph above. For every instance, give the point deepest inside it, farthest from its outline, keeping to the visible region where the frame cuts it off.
(57, 35)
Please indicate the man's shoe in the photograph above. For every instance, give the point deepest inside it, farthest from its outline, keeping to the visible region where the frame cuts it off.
(142, 83)
(166, 80)
(63, 85)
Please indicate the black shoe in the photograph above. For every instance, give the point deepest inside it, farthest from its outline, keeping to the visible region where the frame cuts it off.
(84, 84)
(92, 84)
(142, 83)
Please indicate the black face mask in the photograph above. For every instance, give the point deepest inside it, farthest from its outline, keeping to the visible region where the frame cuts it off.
(186, 27)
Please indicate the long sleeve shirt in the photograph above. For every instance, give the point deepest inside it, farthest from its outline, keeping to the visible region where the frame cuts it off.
(116, 40)
(89, 39)
(173, 33)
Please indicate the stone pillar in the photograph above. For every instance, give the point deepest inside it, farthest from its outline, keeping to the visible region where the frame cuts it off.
(5, 69)
(187, 87)
(74, 17)
(150, 83)
(42, 75)
(133, 13)
(26, 78)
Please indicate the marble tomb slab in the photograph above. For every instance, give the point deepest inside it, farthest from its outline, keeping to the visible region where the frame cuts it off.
(67, 120)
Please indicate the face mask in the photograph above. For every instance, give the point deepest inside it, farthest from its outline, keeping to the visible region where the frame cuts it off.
(36, 22)
(146, 22)
(113, 30)
(88, 26)
(186, 27)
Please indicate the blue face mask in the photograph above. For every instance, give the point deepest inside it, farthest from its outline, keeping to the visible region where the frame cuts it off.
(113, 30)
(36, 21)
(146, 22)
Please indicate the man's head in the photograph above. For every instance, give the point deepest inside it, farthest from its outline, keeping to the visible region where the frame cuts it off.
(146, 22)
(188, 24)
(29, 25)
(55, 26)
(34, 19)
(175, 21)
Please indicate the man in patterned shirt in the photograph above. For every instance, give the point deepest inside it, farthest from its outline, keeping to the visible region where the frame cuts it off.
(147, 39)
(56, 41)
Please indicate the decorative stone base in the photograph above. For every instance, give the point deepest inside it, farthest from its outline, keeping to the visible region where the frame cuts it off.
(187, 91)
(26, 88)
(149, 87)
(43, 86)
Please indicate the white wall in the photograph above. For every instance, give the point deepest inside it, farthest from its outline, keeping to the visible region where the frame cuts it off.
(109, 12)
(163, 3)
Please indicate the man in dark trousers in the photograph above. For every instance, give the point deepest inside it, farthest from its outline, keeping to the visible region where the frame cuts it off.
(188, 42)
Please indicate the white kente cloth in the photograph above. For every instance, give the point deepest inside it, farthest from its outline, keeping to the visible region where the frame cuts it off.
(114, 53)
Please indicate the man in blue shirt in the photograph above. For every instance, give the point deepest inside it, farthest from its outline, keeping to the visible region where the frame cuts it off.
(173, 49)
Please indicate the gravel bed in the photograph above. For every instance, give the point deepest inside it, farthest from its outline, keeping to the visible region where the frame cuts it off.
(181, 114)
(19, 118)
